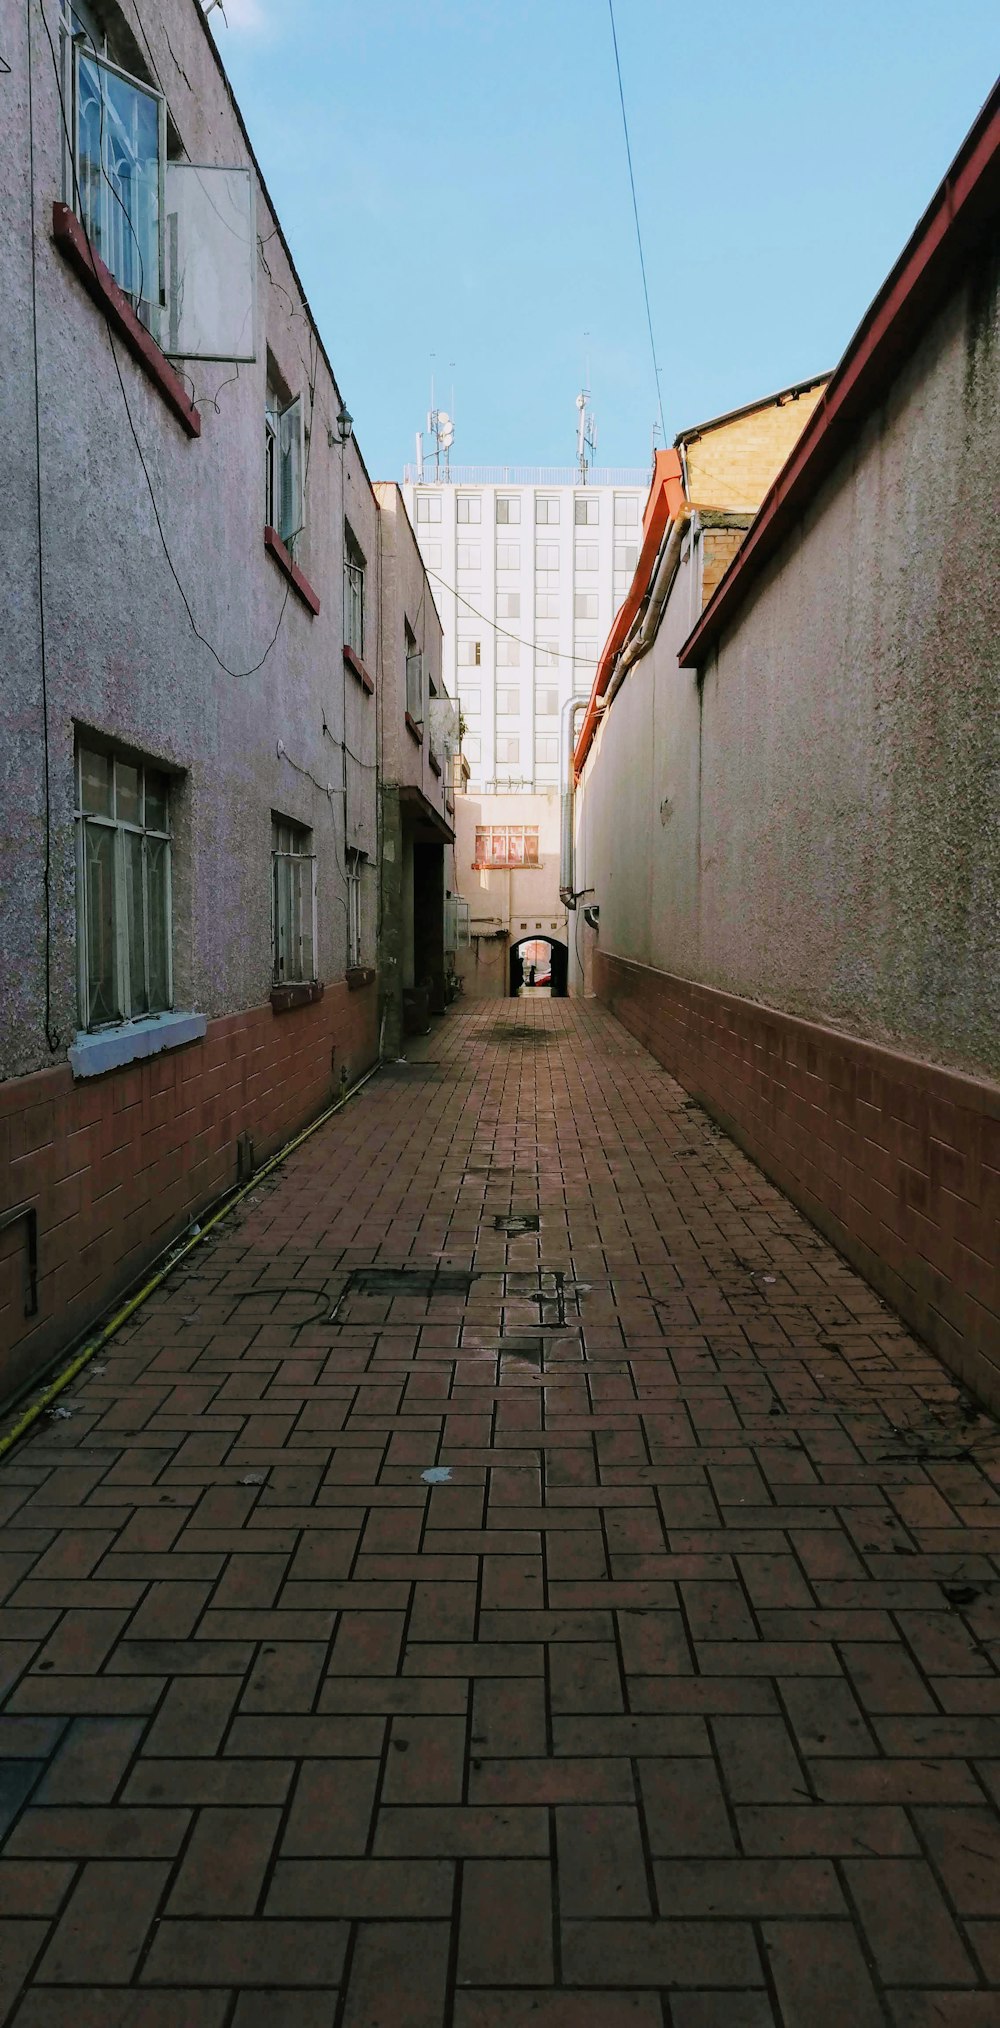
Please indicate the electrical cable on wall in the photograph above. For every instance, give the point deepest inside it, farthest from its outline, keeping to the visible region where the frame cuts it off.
(638, 230)
(52, 1038)
(238, 675)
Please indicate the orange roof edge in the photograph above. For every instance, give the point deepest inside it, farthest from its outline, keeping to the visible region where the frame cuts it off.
(666, 494)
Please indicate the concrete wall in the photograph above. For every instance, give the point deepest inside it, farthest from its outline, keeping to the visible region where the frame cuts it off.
(505, 904)
(812, 826)
(121, 655)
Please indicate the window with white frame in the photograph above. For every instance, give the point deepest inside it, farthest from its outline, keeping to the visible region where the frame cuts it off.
(293, 902)
(585, 605)
(508, 703)
(585, 650)
(547, 703)
(115, 179)
(470, 702)
(546, 605)
(469, 556)
(123, 889)
(428, 506)
(508, 556)
(626, 556)
(547, 580)
(508, 652)
(546, 556)
(587, 557)
(468, 507)
(472, 747)
(546, 511)
(626, 510)
(354, 593)
(355, 862)
(469, 653)
(547, 748)
(546, 653)
(284, 463)
(508, 749)
(431, 553)
(508, 511)
(508, 605)
(586, 510)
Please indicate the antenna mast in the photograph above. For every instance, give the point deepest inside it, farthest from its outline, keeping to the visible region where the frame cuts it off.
(586, 434)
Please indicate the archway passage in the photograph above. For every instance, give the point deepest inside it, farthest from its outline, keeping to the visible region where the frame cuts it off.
(538, 967)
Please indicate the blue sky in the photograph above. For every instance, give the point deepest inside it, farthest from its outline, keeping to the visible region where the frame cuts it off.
(451, 176)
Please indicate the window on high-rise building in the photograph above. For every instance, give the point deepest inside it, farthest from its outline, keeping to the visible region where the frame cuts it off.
(546, 556)
(546, 653)
(508, 605)
(626, 510)
(547, 511)
(508, 652)
(586, 510)
(547, 748)
(587, 556)
(508, 749)
(547, 703)
(546, 605)
(428, 506)
(468, 507)
(469, 556)
(431, 553)
(626, 556)
(585, 651)
(471, 702)
(585, 605)
(469, 654)
(508, 703)
(508, 510)
(508, 556)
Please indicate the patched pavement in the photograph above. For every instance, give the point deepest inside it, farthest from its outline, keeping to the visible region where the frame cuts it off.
(670, 1701)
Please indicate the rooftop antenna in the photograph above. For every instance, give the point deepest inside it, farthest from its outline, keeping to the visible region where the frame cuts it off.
(441, 430)
(586, 434)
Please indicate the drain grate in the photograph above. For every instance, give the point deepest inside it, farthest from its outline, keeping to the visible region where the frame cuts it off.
(427, 1282)
(526, 1221)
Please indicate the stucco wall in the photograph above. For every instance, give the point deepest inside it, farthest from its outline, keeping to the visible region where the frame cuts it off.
(122, 658)
(515, 900)
(814, 825)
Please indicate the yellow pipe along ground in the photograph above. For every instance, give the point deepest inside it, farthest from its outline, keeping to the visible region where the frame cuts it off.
(107, 1331)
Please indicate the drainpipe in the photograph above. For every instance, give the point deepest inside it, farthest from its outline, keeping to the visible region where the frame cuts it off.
(666, 571)
(567, 744)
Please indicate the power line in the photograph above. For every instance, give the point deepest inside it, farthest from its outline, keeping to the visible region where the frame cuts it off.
(638, 229)
(538, 647)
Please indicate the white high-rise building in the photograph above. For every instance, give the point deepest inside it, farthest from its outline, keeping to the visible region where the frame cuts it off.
(528, 569)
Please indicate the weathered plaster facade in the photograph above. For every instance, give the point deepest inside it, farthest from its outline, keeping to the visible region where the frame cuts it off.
(417, 753)
(266, 733)
(506, 904)
(795, 845)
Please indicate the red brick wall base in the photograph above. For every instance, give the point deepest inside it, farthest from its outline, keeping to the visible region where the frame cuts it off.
(896, 1161)
(116, 1166)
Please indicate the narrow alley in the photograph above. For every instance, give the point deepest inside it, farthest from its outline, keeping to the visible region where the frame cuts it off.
(513, 1571)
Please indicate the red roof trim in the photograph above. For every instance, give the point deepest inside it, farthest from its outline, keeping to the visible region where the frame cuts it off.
(666, 493)
(966, 200)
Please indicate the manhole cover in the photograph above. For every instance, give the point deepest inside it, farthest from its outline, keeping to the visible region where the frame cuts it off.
(526, 1221)
(387, 1281)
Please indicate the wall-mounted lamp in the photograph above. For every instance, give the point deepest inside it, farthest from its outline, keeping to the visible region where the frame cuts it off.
(345, 426)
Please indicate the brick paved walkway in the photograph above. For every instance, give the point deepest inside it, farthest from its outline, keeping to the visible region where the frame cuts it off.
(677, 1704)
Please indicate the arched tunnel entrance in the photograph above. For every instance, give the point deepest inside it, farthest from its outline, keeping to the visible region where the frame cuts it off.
(538, 966)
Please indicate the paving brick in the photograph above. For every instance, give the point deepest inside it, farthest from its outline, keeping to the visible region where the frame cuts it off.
(602, 1866)
(659, 1663)
(517, 1950)
(222, 1871)
(100, 1935)
(820, 1974)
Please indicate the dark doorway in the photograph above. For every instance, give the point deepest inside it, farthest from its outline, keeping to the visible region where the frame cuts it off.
(538, 967)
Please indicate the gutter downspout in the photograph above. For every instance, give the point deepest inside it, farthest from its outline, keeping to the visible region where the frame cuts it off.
(642, 641)
(567, 744)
